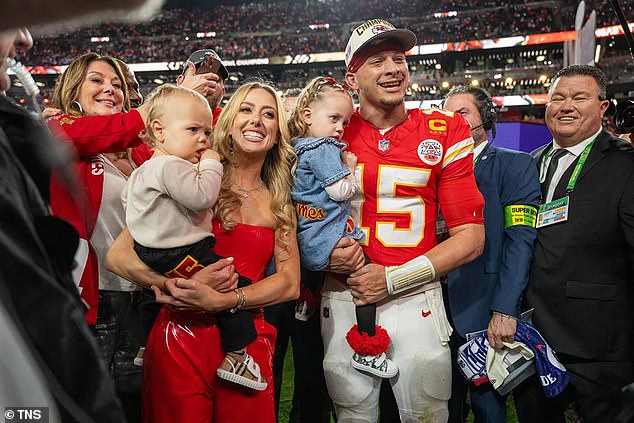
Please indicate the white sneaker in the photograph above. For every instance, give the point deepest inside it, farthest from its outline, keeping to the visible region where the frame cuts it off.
(378, 365)
(303, 312)
(138, 360)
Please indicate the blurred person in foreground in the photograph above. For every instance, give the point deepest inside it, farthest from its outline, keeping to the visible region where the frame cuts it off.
(36, 287)
(580, 280)
(253, 209)
(409, 163)
(486, 293)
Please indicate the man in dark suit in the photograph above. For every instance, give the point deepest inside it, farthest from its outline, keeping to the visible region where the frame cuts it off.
(581, 279)
(486, 293)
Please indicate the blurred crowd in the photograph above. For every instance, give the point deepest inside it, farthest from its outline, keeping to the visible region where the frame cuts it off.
(256, 30)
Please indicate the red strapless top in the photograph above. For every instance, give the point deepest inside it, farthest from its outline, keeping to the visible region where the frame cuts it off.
(250, 246)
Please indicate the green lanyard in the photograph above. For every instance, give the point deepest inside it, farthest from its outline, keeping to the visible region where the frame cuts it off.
(577, 171)
(476, 159)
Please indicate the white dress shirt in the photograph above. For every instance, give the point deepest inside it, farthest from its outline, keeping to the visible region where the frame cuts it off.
(478, 150)
(565, 161)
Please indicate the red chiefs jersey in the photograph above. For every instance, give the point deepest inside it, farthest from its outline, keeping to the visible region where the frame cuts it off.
(405, 174)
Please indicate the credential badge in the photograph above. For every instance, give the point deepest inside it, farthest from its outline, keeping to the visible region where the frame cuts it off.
(430, 152)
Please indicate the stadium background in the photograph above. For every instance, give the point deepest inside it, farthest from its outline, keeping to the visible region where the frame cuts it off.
(512, 48)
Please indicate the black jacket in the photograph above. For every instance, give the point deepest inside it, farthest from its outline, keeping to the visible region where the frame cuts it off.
(36, 288)
(581, 280)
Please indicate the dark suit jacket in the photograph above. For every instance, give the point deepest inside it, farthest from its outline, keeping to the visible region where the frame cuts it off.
(581, 281)
(495, 281)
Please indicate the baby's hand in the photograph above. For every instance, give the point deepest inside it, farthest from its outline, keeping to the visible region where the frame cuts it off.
(350, 160)
(210, 154)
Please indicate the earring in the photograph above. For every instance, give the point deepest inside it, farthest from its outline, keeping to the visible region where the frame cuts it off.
(76, 103)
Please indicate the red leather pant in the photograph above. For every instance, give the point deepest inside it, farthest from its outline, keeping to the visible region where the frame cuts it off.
(179, 372)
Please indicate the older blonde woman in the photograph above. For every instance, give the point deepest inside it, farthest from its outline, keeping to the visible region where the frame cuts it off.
(254, 221)
(98, 126)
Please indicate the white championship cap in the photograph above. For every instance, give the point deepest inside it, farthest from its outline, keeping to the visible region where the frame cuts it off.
(374, 31)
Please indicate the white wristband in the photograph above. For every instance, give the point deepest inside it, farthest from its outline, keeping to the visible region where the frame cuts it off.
(415, 272)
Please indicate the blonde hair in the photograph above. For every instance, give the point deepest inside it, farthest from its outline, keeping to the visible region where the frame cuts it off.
(158, 105)
(277, 168)
(316, 90)
(69, 83)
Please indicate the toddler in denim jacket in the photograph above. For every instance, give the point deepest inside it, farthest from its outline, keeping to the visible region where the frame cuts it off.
(323, 186)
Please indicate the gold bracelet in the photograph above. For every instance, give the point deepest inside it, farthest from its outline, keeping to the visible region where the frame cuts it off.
(240, 300)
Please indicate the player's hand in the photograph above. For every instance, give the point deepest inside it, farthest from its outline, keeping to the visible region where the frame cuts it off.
(189, 294)
(221, 275)
(346, 257)
(368, 284)
(501, 328)
(349, 159)
(204, 83)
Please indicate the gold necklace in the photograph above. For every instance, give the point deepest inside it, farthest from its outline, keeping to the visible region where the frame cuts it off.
(244, 193)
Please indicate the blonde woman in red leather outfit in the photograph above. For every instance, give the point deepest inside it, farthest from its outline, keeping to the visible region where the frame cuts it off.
(254, 220)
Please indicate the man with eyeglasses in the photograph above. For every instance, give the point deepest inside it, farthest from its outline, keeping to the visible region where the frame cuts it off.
(581, 278)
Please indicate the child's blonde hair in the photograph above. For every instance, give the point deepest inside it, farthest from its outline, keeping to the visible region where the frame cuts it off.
(316, 90)
(158, 107)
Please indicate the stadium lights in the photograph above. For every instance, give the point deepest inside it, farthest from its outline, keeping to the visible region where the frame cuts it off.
(159, 81)
(540, 58)
(497, 76)
(415, 86)
(445, 84)
(597, 53)
(475, 82)
(438, 66)
(440, 15)
(210, 34)
(99, 39)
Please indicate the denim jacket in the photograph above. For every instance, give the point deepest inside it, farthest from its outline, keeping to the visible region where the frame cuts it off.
(321, 221)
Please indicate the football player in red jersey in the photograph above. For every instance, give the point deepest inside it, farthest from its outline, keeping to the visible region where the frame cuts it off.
(409, 163)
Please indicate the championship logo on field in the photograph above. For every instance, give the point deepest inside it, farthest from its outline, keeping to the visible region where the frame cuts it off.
(430, 152)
